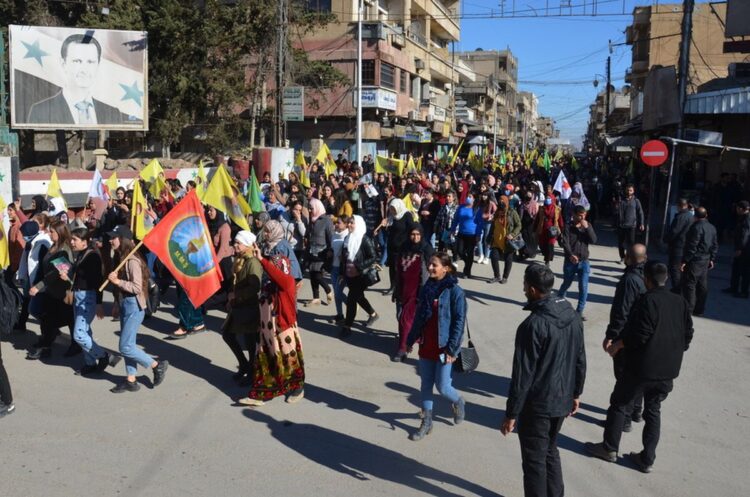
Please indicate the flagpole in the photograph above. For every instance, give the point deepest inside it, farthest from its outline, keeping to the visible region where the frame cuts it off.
(359, 83)
(122, 263)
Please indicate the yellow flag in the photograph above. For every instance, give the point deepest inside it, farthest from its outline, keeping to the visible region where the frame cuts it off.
(326, 159)
(138, 223)
(385, 165)
(112, 185)
(410, 206)
(419, 164)
(299, 160)
(152, 173)
(453, 160)
(4, 251)
(223, 194)
(54, 190)
(558, 155)
(201, 180)
(411, 167)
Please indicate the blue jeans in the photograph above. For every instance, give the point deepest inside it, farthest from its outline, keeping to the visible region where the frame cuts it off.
(338, 290)
(84, 308)
(570, 270)
(438, 374)
(383, 242)
(131, 317)
(484, 243)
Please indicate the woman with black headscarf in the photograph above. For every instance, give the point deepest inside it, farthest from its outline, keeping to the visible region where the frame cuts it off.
(411, 274)
(38, 204)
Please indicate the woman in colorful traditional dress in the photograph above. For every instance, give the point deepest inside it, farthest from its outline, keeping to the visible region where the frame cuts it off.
(278, 369)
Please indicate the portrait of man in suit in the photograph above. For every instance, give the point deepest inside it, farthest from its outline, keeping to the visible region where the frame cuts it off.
(81, 56)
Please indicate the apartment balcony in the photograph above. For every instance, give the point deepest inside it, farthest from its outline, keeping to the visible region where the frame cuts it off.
(445, 18)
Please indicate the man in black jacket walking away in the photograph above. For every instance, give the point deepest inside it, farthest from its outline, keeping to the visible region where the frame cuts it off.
(629, 219)
(675, 239)
(701, 247)
(658, 332)
(739, 284)
(549, 369)
(629, 289)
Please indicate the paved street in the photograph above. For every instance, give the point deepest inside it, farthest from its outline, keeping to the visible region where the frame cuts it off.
(71, 437)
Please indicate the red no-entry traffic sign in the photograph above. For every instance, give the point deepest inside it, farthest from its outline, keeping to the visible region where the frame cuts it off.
(654, 153)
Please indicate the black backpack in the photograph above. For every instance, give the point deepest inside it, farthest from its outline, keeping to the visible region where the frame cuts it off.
(10, 307)
(153, 300)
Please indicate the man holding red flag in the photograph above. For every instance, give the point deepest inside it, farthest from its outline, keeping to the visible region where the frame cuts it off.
(183, 244)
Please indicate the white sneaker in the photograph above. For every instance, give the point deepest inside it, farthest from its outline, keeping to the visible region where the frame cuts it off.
(486, 260)
(480, 260)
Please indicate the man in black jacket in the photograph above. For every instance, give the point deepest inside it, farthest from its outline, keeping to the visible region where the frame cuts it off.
(675, 239)
(576, 238)
(549, 369)
(629, 219)
(658, 332)
(701, 247)
(739, 283)
(629, 289)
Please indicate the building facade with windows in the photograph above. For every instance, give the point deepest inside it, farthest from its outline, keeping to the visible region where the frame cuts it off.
(409, 76)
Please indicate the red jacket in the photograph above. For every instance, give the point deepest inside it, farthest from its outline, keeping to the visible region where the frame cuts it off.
(285, 299)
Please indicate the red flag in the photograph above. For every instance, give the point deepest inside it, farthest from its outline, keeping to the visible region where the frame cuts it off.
(183, 244)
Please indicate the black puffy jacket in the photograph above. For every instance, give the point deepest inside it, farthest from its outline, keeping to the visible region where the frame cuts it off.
(629, 288)
(658, 332)
(549, 363)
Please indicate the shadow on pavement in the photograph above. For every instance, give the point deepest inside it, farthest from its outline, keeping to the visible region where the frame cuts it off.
(337, 401)
(188, 361)
(362, 460)
(382, 341)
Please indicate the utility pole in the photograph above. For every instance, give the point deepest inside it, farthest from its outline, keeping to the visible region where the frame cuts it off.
(494, 117)
(682, 78)
(280, 59)
(359, 82)
(609, 81)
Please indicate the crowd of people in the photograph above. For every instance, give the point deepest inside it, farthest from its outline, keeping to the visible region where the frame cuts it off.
(347, 231)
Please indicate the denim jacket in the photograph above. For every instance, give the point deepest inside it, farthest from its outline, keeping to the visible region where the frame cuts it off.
(451, 321)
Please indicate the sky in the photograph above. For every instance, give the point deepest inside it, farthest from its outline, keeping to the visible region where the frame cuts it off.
(551, 50)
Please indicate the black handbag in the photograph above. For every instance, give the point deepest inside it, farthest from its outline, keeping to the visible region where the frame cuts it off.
(468, 359)
(371, 276)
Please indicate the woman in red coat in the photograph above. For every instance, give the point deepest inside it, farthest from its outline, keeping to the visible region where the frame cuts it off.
(549, 226)
(278, 368)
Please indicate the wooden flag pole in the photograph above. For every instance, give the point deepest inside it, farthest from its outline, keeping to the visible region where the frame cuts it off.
(122, 263)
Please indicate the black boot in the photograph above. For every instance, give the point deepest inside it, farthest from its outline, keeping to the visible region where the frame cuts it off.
(425, 428)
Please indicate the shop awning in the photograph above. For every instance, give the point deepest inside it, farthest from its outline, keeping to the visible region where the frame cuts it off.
(729, 101)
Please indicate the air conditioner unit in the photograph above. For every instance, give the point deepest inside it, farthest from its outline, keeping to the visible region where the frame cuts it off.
(398, 40)
(413, 115)
(430, 118)
(419, 63)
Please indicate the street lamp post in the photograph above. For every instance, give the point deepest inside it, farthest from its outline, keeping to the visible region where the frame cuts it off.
(359, 82)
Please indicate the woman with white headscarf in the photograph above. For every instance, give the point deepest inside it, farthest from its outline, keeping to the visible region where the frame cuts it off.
(357, 256)
(243, 317)
(274, 243)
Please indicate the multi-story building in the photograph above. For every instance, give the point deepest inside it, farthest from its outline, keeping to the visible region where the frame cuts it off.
(409, 76)
(545, 129)
(527, 104)
(655, 40)
(603, 120)
(493, 92)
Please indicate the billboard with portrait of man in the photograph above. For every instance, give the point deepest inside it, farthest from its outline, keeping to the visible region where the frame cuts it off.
(78, 79)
